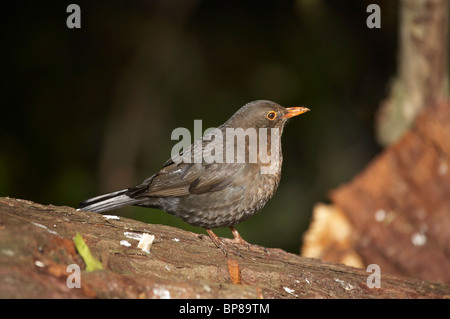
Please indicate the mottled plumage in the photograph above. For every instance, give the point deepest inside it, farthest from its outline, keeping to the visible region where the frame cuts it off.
(206, 194)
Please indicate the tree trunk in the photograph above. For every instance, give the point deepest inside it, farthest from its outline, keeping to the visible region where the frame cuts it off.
(422, 77)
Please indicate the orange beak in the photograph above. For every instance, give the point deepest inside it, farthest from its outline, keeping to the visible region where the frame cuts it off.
(294, 111)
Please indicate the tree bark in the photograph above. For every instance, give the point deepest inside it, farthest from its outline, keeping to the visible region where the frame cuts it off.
(422, 75)
(36, 248)
(395, 213)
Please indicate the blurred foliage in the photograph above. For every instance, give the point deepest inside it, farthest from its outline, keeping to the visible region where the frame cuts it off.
(87, 111)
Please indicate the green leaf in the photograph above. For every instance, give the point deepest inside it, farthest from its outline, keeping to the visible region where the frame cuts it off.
(91, 262)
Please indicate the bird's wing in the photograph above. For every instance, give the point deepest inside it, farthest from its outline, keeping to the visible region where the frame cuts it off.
(188, 173)
(187, 178)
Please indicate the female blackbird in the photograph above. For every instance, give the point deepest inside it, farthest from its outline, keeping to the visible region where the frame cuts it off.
(220, 193)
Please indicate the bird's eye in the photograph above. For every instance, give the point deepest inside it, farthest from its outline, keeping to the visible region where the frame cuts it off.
(271, 115)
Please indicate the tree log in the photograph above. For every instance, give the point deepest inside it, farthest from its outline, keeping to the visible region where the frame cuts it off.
(36, 248)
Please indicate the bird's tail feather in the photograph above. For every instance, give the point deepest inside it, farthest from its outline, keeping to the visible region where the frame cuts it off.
(108, 202)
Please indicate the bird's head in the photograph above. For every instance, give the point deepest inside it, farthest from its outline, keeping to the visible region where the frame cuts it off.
(263, 114)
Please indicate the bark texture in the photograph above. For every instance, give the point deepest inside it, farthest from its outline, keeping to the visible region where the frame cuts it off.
(396, 212)
(36, 247)
(422, 75)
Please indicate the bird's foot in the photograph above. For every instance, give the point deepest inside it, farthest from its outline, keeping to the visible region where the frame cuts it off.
(238, 238)
(249, 247)
(220, 243)
(241, 241)
(225, 244)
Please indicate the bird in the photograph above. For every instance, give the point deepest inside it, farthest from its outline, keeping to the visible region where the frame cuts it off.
(215, 193)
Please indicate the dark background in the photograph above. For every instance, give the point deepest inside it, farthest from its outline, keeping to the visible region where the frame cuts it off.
(91, 110)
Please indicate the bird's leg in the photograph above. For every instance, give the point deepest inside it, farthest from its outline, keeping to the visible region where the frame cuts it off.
(220, 243)
(217, 241)
(238, 238)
